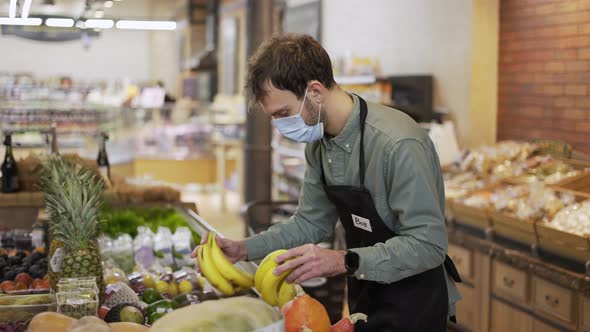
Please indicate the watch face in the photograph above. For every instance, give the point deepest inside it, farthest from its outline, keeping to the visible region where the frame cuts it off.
(352, 261)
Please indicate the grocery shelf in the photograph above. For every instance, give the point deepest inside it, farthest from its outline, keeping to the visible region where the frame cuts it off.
(355, 79)
(289, 176)
(290, 152)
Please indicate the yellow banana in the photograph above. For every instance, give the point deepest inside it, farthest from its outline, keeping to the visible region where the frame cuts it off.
(240, 289)
(287, 292)
(210, 272)
(270, 285)
(267, 263)
(226, 268)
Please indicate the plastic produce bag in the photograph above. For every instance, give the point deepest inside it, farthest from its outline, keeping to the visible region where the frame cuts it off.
(106, 247)
(183, 247)
(163, 246)
(143, 247)
(122, 252)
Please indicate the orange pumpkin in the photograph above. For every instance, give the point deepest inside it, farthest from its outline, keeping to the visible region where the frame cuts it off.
(346, 324)
(304, 313)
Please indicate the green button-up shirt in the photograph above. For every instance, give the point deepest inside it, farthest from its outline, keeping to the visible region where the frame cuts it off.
(404, 177)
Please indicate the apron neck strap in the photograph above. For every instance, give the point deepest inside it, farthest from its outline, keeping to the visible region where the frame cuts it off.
(362, 119)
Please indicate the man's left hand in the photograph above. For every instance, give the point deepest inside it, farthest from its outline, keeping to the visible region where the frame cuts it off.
(310, 261)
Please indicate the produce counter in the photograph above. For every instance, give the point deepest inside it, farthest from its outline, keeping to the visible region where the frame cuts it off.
(505, 285)
(512, 192)
(519, 233)
(18, 307)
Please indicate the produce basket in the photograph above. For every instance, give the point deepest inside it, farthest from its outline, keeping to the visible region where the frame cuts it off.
(566, 244)
(510, 226)
(469, 215)
(474, 216)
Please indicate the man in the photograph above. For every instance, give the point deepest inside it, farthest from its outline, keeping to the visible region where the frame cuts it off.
(373, 168)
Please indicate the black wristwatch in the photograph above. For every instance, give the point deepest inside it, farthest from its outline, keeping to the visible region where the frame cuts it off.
(351, 262)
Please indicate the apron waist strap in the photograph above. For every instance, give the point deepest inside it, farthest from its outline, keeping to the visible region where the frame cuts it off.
(452, 269)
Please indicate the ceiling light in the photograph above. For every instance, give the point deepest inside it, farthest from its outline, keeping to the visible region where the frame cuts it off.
(81, 25)
(108, 4)
(147, 25)
(99, 24)
(20, 21)
(12, 9)
(99, 14)
(59, 22)
(26, 8)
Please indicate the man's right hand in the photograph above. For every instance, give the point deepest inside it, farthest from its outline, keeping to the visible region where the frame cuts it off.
(235, 251)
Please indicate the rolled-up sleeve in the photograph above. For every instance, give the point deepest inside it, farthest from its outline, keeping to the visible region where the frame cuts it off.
(414, 199)
(313, 221)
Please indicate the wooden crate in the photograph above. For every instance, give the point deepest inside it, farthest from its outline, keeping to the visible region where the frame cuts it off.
(578, 185)
(22, 199)
(566, 244)
(510, 226)
(476, 217)
(579, 164)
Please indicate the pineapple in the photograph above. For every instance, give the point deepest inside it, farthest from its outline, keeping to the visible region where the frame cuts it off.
(73, 197)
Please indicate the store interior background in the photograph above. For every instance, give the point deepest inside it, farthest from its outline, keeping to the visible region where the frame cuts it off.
(502, 69)
(423, 37)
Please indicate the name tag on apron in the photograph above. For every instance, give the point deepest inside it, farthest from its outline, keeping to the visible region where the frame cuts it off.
(362, 223)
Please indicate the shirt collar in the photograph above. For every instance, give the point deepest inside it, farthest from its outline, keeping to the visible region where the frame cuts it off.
(346, 138)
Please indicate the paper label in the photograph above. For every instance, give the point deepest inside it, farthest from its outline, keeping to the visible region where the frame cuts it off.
(362, 223)
(56, 259)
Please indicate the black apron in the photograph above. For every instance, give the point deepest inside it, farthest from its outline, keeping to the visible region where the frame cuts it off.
(417, 303)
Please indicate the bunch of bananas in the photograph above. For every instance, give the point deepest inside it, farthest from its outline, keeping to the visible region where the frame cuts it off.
(219, 271)
(274, 289)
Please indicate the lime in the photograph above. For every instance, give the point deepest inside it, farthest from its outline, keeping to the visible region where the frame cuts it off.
(150, 296)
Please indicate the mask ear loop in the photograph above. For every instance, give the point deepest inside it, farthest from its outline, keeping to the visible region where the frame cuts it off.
(303, 104)
(319, 113)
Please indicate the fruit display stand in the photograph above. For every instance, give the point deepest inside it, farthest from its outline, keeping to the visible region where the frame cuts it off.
(501, 280)
(533, 235)
(16, 312)
(21, 209)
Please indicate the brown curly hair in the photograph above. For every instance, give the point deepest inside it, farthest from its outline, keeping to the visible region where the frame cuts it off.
(289, 62)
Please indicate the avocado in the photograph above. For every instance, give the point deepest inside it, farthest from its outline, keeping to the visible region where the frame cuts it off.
(132, 315)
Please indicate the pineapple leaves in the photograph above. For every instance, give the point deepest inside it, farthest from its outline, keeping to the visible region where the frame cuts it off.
(73, 197)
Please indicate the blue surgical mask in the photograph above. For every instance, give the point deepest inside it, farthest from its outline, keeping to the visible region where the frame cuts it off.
(295, 128)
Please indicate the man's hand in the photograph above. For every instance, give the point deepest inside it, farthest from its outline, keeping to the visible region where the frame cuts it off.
(310, 261)
(235, 251)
